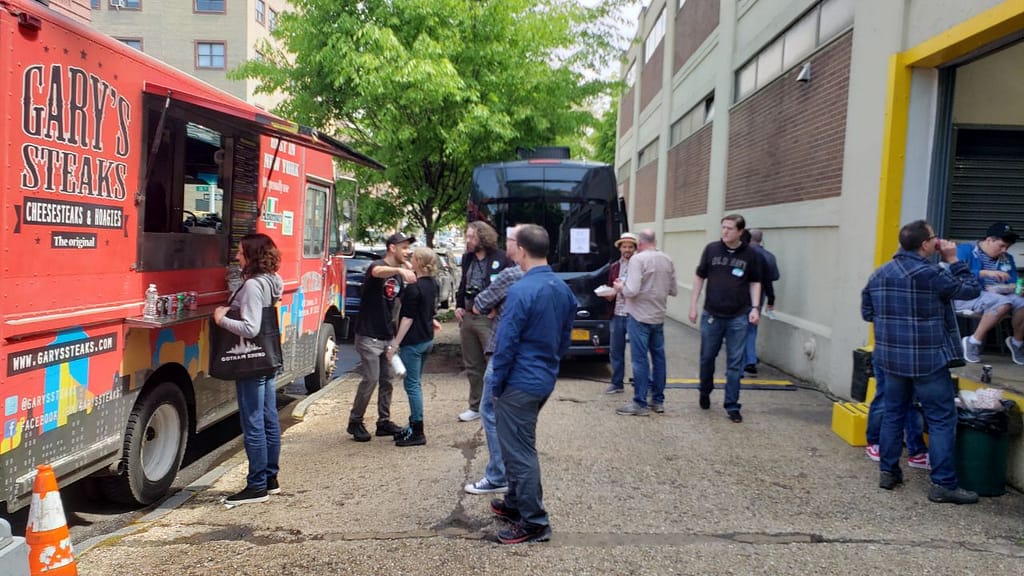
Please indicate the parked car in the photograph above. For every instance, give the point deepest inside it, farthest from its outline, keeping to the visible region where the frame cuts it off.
(355, 271)
(448, 276)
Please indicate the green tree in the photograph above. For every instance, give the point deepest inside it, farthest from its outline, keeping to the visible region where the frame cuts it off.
(433, 87)
(604, 138)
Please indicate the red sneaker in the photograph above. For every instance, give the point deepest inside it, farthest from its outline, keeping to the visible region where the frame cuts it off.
(872, 452)
(920, 461)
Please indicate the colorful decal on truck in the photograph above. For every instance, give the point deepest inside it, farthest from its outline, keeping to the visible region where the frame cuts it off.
(46, 384)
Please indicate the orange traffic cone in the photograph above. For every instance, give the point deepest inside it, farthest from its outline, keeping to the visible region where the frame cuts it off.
(49, 542)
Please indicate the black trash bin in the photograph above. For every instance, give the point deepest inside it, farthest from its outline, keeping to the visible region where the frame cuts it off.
(982, 444)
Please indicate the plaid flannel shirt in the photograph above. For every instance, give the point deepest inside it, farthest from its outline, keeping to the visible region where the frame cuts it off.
(492, 297)
(910, 299)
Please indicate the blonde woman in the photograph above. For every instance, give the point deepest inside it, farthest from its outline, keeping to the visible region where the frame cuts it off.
(415, 339)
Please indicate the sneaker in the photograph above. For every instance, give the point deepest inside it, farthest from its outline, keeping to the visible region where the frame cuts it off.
(525, 532)
(972, 352)
(358, 432)
(658, 408)
(889, 480)
(469, 416)
(388, 428)
(248, 496)
(705, 401)
(872, 452)
(613, 389)
(484, 486)
(272, 486)
(632, 409)
(1015, 351)
(750, 369)
(504, 511)
(920, 461)
(957, 495)
(735, 416)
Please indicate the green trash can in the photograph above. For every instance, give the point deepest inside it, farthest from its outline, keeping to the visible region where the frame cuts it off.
(980, 458)
(982, 445)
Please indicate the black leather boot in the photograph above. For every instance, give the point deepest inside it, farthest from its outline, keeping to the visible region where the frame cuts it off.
(411, 436)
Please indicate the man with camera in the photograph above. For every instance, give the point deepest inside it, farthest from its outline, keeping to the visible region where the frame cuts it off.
(480, 265)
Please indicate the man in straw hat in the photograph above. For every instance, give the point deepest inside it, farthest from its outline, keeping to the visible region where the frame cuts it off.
(626, 244)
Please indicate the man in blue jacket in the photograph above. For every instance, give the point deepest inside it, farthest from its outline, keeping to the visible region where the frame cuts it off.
(993, 266)
(533, 334)
(908, 300)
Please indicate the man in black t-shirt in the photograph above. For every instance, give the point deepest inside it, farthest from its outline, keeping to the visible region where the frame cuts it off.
(732, 271)
(375, 331)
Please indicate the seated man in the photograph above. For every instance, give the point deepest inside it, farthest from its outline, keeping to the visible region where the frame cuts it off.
(989, 260)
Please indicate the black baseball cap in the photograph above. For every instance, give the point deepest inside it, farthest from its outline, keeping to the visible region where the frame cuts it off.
(1003, 231)
(398, 238)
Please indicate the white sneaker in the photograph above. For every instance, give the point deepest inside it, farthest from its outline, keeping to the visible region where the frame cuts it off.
(484, 486)
(469, 416)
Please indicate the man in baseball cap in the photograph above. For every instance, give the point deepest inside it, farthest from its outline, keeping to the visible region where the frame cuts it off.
(398, 238)
(989, 259)
(626, 244)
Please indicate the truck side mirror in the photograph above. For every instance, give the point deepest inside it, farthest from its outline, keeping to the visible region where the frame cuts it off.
(348, 248)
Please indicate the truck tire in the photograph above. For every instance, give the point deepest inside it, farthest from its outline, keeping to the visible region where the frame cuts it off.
(154, 444)
(326, 357)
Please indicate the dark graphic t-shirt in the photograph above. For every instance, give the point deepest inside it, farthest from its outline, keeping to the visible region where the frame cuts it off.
(379, 304)
(728, 273)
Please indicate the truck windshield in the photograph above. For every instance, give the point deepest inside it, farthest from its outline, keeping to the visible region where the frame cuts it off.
(573, 203)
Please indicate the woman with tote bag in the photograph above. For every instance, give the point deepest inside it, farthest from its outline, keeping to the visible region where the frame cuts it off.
(251, 316)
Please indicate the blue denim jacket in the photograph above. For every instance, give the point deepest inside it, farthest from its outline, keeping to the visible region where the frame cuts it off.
(909, 299)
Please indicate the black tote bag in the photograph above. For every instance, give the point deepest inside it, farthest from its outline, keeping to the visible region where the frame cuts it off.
(233, 357)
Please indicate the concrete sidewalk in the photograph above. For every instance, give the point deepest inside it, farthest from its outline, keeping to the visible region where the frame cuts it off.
(686, 492)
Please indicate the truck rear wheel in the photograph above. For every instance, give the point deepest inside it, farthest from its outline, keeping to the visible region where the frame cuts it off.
(326, 357)
(154, 444)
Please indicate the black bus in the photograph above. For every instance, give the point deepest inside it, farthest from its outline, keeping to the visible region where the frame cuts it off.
(577, 203)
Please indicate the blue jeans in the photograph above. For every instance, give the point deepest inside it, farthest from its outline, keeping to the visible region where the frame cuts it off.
(495, 471)
(412, 356)
(935, 392)
(713, 330)
(912, 429)
(751, 355)
(618, 349)
(517, 414)
(644, 339)
(261, 431)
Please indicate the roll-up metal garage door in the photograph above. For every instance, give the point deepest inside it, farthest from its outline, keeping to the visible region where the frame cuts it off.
(986, 180)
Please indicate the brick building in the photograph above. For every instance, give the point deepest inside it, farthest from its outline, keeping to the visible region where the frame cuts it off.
(828, 124)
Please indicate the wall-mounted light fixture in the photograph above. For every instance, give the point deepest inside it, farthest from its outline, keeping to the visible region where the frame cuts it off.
(805, 73)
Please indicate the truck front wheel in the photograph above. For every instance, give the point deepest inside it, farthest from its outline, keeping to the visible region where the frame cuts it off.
(154, 444)
(326, 357)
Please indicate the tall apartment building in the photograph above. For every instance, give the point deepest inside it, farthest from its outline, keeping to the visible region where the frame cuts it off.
(828, 124)
(205, 38)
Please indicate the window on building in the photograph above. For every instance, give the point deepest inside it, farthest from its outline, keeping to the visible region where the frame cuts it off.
(271, 19)
(210, 55)
(125, 4)
(95, 4)
(709, 109)
(133, 42)
(209, 6)
(800, 40)
(819, 26)
(654, 37)
(261, 11)
(648, 154)
(680, 5)
(631, 76)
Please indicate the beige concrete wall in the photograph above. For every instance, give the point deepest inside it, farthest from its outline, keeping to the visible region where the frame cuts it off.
(990, 90)
(926, 18)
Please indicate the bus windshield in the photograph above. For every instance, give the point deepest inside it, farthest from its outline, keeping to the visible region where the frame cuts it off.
(574, 203)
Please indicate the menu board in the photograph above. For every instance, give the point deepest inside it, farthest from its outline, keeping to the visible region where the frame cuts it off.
(244, 190)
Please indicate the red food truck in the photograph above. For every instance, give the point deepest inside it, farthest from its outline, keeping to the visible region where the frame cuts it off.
(121, 172)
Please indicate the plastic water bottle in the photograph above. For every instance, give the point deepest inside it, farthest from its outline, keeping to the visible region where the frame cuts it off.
(398, 366)
(149, 309)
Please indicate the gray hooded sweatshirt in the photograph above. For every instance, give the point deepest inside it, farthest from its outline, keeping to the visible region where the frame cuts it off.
(255, 294)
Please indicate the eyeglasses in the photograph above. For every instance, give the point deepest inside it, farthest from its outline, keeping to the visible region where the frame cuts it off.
(932, 237)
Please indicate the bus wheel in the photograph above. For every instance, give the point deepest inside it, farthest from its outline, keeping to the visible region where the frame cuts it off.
(154, 444)
(327, 355)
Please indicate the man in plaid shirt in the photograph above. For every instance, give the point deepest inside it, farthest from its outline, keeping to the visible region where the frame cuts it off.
(910, 301)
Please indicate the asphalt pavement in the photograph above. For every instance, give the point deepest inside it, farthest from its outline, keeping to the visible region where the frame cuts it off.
(685, 492)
